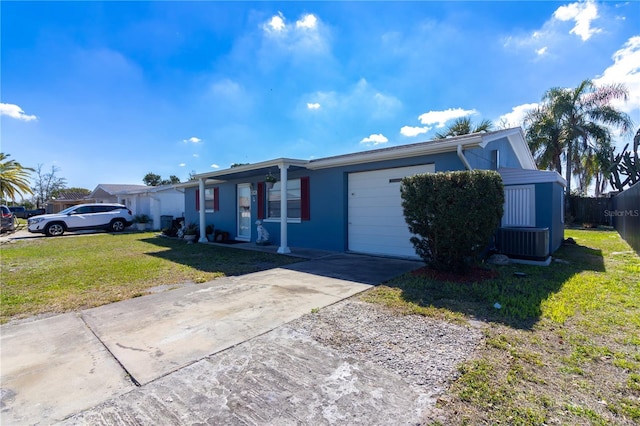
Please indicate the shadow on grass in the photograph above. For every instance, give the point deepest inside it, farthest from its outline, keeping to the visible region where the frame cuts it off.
(226, 261)
(520, 297)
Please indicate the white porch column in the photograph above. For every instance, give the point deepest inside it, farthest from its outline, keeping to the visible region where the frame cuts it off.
(202, 219)
(284, 248)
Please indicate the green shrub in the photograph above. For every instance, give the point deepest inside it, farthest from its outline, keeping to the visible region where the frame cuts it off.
(453, 215)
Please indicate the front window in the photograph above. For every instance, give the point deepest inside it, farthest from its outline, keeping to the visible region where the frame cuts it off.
(208, 200)
(293, 200)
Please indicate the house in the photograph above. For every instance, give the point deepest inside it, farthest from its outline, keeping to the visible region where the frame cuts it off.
(65, 200)
(109, 193)
(153, 201)
(352, 203)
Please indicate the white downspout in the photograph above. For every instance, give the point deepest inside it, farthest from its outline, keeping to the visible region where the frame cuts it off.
(202, 219)
(463, 158)
(284, 248)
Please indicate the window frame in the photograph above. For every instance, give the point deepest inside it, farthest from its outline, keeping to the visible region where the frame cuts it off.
(304, 199)
(291, 219)
(215, 200)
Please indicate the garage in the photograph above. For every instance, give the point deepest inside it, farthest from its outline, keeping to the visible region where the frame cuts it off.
(375, 218)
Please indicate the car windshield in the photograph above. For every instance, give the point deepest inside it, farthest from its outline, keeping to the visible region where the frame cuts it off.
(68, 210)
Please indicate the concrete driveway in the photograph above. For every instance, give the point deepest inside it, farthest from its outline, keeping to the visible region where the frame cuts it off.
(58, 367)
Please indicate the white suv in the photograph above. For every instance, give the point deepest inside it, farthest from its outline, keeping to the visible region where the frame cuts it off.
(112, 217)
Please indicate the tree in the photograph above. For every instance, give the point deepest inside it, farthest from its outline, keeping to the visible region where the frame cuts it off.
(14, 178)
(625, 168)
(464, 126)
(544, 137)
(152, 179)
(46, 184)
(577, 121)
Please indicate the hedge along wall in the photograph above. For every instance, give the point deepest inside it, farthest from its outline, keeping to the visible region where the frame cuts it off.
(453, 214)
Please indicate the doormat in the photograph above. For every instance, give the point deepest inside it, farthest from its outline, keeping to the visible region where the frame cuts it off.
(230, 242)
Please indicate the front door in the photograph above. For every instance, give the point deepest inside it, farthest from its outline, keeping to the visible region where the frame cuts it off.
(244, 212)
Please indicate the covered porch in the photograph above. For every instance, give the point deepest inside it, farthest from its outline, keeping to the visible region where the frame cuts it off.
(249, 173)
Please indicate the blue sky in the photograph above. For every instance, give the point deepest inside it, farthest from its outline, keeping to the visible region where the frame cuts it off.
(108, 91)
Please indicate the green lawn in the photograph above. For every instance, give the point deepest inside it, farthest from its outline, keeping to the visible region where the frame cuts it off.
(563, 349)
(48, 275)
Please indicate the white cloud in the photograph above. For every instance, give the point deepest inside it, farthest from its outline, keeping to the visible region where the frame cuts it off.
(226, 87)
(410, 131)
(360, 99)
(313, 105)
(626, 70)
(196, 155)
(376, 139)
(182, 164)
(517, 114)
(192, 139)
(308, 21)
(441, 117)
(275, 24)
(215, 166)
(553, 35)
(308, 37)
(14, 111)
(582, 14)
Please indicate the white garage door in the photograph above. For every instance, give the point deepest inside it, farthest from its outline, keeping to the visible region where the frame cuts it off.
(376, 219)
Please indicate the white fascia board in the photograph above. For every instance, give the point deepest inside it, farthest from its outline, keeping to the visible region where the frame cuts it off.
(254, 166)
(425, 148)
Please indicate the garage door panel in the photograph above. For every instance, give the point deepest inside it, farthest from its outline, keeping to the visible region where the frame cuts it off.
(378, 222)
(387, 232)
(376, 217)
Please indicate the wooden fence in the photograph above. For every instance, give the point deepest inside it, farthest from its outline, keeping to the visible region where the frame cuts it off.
(589, 210)
(626, 216)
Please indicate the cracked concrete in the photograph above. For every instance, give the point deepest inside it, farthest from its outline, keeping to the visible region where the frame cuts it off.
(57, 368)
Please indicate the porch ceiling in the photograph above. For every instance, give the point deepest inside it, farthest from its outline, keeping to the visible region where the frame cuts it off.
(253, 171)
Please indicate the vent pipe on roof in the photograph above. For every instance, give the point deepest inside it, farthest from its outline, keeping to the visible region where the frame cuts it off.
(463, 158)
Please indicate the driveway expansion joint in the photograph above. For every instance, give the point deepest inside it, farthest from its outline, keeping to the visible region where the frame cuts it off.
(127, 372)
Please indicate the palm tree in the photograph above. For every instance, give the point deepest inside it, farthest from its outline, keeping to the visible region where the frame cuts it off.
(577, 123)
(14, 178)
(544, 137)
(585, 115)
(463, 126)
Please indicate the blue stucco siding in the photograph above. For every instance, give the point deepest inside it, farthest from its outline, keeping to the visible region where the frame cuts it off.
(481, 158)
(549, 212)
(328, 191)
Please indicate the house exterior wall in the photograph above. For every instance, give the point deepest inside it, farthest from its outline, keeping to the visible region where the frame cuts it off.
(102, 196)
(480, 158)
(549, 212)
(327, 227)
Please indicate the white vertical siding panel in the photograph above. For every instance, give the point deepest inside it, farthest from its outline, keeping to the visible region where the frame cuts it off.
(519, 206)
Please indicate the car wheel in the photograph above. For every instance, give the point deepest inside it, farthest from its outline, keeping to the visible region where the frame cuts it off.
(54, 230)
(117, 226)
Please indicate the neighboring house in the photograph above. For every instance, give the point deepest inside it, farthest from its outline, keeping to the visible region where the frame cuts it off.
(352, 203)
(108, 193)
(154, 201)
(67, 199)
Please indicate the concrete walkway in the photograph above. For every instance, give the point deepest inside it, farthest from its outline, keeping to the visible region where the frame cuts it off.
(55, 368)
